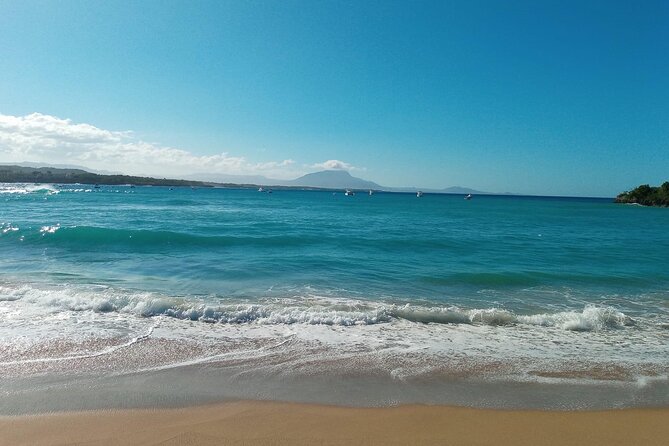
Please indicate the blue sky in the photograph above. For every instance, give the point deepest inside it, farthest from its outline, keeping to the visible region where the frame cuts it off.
(551, 97)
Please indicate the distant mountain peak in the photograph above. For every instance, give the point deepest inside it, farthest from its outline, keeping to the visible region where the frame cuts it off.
(461, 190)
(332, 173)
(334, 179)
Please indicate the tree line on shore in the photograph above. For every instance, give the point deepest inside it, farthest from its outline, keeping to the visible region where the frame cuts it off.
(20, 174)
(646, 195)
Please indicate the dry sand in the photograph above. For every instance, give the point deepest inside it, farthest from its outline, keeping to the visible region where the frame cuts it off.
(268, 423)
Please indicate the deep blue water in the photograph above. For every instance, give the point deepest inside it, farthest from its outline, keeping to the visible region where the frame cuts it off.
(243, 243)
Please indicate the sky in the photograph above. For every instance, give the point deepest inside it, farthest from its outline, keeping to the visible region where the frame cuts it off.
(546, 98)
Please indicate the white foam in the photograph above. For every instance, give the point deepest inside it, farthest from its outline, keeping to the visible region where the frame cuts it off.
(310, 310)
(106, 351)
(592, 318)
(49, 229)
(401, 340)
(77, 190)
(23, 189)
(7, 227)
(644, 381)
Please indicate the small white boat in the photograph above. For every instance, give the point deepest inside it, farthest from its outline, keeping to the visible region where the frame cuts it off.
(260, 189)
(468, 197)
(419, 193)
(371, 192)
(349, 193)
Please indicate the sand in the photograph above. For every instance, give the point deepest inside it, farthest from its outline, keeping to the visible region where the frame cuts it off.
(269, 423)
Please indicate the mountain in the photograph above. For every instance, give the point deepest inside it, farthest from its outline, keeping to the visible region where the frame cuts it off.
(327, 179)
(448, 190)
(461, 190)
(334, 179)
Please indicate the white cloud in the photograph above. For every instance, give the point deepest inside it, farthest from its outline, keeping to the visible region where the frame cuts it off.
(334, 165)
(48, 139)
(274, 164)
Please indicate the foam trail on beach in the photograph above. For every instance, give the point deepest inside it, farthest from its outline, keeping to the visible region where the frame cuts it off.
(321, 328)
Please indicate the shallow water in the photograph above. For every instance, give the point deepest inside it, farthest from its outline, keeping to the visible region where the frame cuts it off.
(411, 293)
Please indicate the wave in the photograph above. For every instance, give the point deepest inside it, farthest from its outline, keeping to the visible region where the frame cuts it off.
(23, 189)
(592, 318)
(87, 238)
(313, 311)
(92, 236)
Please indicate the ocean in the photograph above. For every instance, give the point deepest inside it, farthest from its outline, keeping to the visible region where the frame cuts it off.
(124, 296)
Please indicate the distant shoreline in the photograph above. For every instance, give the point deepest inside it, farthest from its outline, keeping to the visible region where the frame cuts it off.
(645, 195)
(53, 175)
(19, 174)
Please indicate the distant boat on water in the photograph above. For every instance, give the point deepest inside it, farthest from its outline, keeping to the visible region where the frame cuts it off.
(371, 192)
(349, 193)
(260, 189)
(419, 193)
(468, 197)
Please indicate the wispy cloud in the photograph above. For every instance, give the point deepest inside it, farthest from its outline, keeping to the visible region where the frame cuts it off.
(49, 139)
(274, 164)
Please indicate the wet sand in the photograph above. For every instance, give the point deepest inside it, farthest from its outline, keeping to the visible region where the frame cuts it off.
(270, 423)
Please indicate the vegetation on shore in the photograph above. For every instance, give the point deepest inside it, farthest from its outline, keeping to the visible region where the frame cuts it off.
(646, 195)
(56, 175)
(19, 174)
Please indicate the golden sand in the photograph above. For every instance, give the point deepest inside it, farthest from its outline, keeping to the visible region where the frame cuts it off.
(269, 423)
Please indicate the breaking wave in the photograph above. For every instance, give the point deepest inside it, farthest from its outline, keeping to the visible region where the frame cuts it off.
(23, 189)
(308, 310)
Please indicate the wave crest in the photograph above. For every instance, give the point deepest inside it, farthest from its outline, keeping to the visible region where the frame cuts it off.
(24, 189)
(310, 310)
(592, 318)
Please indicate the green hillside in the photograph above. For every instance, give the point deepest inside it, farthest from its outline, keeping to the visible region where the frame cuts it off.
(19, 174)
(646, 195)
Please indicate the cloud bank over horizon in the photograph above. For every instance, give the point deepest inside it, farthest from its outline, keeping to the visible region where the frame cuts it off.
(41, 138)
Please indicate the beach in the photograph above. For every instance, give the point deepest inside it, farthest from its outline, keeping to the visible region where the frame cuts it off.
(271, 423)
(228, 316)
(334, 223)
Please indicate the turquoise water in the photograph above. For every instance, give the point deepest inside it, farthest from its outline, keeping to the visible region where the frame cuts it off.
(579, 285)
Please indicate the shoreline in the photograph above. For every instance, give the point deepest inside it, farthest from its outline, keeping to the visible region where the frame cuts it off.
(278, 423)
(224, 382)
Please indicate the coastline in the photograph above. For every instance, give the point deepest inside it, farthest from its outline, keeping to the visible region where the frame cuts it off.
(135, 328)
(275, 423)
